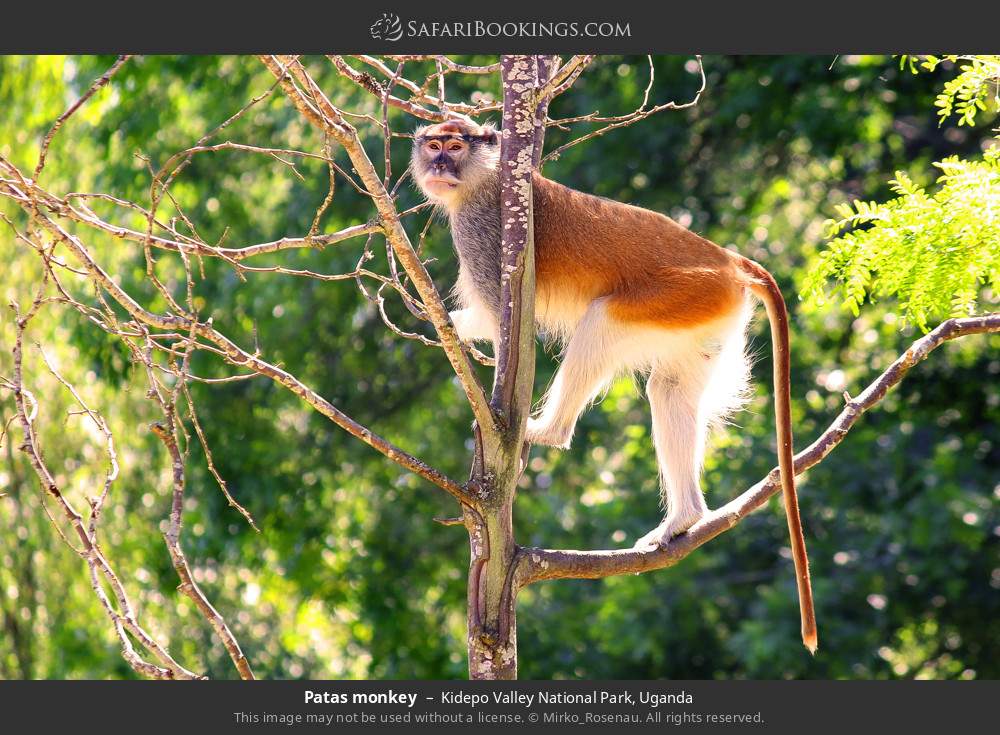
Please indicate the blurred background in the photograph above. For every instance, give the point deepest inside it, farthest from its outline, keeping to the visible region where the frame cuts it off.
(350, 577)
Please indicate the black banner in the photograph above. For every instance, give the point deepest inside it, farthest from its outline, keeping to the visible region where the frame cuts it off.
(441, 707)
(394, 27)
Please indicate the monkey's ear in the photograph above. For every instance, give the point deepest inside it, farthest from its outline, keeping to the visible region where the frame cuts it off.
(489, 135)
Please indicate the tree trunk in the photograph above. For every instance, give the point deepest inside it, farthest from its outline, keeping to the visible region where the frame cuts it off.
(492, 627)
(500, 449)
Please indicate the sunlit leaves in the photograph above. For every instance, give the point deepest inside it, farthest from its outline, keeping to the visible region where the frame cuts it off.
(937, 253)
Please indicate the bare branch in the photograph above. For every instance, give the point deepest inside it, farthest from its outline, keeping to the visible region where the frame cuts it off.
(122, 616)
(540, 564)
(91, 91)
(448, 63)
(420, 95)
(97, 503)
(182, 378)
(275, 153)
(188, 586)
(546, 68)
(418, 104)
(563, 78)
(241, 358)
(62, 208)
(640, 113)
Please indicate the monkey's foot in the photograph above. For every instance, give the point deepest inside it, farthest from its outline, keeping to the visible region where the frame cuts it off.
(546, 435)
(672, 526)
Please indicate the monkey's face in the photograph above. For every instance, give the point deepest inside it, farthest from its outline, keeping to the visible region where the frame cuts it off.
(451, 158)
(443, 158)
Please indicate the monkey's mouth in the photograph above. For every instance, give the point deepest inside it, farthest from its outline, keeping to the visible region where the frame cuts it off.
(443, 183)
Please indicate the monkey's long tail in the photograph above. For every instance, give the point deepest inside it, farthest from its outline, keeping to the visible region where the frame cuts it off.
(766, 289)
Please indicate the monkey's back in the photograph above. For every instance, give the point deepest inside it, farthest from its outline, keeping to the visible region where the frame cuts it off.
(648, 267)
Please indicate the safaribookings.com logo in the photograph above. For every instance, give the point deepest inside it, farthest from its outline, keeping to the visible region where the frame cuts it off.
(389, 27)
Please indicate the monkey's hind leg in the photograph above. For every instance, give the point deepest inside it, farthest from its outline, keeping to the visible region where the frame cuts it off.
(679, 431)
(598, 349)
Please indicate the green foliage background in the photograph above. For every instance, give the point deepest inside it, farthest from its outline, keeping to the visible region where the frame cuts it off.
(350, 577)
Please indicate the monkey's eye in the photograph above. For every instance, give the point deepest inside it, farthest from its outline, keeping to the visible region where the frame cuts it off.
(453, 147)
(434, 145)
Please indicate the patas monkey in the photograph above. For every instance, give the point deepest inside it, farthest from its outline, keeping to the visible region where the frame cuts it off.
(624, 289)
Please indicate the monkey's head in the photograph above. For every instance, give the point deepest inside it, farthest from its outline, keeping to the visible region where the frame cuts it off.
(451, 159)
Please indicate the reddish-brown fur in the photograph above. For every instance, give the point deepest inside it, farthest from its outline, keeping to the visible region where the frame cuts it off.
(447, 127)
(653, 270)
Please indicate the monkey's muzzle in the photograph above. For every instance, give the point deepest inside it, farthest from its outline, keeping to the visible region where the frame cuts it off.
(441, 184)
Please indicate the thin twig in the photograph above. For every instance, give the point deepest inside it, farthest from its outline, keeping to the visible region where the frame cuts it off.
(91, 91)
(640, 113)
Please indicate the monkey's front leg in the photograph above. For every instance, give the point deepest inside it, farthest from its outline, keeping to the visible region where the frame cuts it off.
(591, 359)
